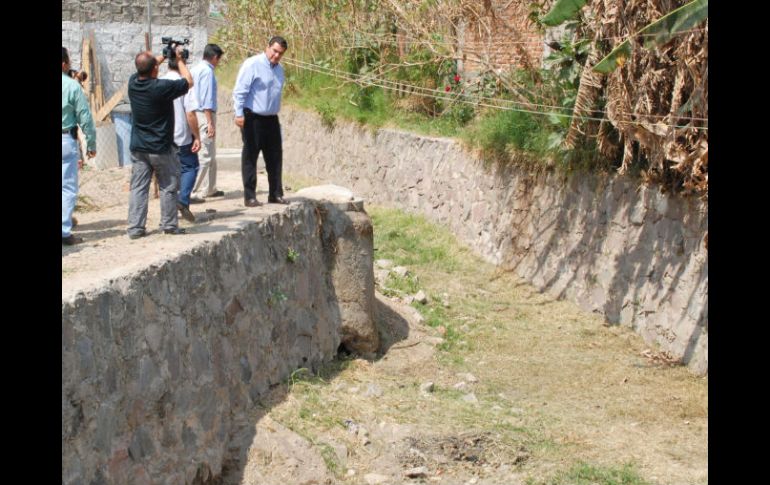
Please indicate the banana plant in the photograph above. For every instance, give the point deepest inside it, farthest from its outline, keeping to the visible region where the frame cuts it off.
(562, 10)
(657, 33)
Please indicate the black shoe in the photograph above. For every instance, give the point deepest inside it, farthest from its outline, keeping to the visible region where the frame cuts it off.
(176, 231)
(277, 200)
(196, 200)
(252, 203)
(185, 211)
(218, 193)
(71, 240)
(137, 235)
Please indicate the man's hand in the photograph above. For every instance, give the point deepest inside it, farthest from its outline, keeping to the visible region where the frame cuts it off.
(211, 131)
(91, 153)
(239, 121)
(80, 164)
(196, 146)
(179, 49)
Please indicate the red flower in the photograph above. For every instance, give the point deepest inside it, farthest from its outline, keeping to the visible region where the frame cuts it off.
(447, 89)
(457, 78)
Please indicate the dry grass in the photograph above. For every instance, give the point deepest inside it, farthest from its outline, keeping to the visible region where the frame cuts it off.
(557, 390)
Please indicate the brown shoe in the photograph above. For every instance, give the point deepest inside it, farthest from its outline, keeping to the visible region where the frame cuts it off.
(71, 240)
(252, 203)
(185, 211)
(74, 222)
(277, 200)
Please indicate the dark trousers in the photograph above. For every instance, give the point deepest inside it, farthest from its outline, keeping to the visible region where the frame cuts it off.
(261, 133)
(189, 162)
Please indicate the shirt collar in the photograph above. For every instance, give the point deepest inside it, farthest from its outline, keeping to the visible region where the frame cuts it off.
(267, 61)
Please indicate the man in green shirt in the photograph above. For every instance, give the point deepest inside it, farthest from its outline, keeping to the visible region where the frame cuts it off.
(74, 113)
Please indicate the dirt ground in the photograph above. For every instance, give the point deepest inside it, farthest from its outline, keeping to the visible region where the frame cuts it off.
(533, 389)
(527, 405)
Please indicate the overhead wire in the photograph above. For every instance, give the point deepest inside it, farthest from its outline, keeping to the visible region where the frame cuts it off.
(423, 90)
(435, 94)
(485, 101)
(416, 40)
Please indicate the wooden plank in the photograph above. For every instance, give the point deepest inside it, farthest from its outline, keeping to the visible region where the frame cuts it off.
(105, 110)
(147, 42)
(99, 97)
(85, 65)
(97, 73)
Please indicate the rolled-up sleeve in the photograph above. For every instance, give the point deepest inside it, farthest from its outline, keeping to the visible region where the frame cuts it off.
(84, 119)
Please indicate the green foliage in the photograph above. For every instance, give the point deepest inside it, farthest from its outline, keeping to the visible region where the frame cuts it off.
(364, 97)
(561, 11)
(501, 134)
(276, 297)
(448, 106)
(330, 458)
(585, 474)
(679, 20)
(461, 113)
(566, 63)
(299, 375)
(362, 56)
(614, 59)
(410, 240)
(292, 255)
(328, 116)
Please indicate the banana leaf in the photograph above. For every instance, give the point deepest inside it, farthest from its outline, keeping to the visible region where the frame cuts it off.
(561, 11)
(657, 33)
(614, 59)
(681, 19)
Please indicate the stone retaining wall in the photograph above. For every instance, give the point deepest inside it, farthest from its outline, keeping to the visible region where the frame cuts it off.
(634, 255)
(159, 367)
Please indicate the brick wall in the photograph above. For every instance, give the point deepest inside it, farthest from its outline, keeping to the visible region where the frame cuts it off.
(503, 38)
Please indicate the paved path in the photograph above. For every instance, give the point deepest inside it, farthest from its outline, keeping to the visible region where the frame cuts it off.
(107, 252)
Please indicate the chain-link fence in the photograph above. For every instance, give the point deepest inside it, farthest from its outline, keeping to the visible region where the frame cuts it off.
(113, 140)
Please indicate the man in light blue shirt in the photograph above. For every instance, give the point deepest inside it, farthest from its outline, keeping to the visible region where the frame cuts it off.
(205, 91)
(74, 112)
(257, 100)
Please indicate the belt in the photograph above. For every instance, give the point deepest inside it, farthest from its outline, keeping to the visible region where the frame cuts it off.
(251, 113)
(63, 131)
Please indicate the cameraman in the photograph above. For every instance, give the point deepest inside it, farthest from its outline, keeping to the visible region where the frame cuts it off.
(152, 140)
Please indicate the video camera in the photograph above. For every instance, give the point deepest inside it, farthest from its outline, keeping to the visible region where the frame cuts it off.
(169, 49)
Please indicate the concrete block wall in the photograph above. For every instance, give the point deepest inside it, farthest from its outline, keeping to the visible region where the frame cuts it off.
(159, 367)
(119, 28)
(635, 256)
(165, 12)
